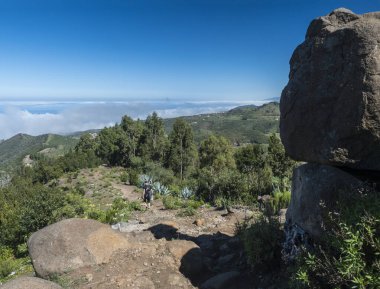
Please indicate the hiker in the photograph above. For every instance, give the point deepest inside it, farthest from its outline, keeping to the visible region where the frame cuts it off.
(148, 196)
(145, 187)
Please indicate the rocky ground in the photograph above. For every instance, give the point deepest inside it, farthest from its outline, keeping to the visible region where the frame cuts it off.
(157, 248)
(170, 251)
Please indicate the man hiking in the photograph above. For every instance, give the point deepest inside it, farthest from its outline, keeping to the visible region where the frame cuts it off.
(148, 193)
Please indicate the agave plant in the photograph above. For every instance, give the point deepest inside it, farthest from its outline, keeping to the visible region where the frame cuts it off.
(160, 189)
(143, 179)
(186, 193)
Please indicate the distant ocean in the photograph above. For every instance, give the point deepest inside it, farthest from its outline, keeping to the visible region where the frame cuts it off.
(62, 117)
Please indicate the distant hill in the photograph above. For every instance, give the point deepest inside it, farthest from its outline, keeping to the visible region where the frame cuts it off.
(243, 124)
(13, 150)
(78, 134)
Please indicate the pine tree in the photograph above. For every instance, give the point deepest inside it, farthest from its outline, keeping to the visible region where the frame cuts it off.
(183, 152)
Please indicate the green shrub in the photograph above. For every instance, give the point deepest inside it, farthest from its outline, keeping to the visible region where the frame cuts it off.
(74, 206)
(194, 204)
(279, 200)
(349, 256)
(38, 207)
(10, 266)
(124, 177)
(222, 202)
(175, 190)
(159, 173)
(95, 213)
(121, 210)
(262, 242)
(134, 177)
(187, 212)
(135, 206)
(172, 203)
(7, 262)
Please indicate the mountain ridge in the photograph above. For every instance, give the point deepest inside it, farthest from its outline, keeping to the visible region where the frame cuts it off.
(242, 124)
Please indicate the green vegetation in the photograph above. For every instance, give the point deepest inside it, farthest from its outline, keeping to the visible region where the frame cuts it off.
(184, 175)
(13, 150)
(349, 257)
(262, 242)
(182, 150)
(241, 125)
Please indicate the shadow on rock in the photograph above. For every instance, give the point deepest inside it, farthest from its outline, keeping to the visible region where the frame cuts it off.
(211, 261)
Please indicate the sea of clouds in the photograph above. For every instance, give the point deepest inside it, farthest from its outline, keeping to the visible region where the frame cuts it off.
(40, 117)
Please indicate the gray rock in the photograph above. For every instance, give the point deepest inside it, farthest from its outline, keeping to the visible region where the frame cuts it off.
(330, 107)
(221, 281)
(71, 244)
(130, 226)
(312, 186)
(225, 259)
(29, 283)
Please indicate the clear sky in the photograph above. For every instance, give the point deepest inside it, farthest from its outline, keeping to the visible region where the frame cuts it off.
(153, 49)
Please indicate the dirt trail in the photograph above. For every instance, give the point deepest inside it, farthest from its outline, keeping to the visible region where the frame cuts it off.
(128, 192)
(149, 263)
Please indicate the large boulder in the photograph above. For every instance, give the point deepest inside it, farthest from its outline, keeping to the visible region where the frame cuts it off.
(314, 188)
(71, 244)
(330, 107)
(29, 283)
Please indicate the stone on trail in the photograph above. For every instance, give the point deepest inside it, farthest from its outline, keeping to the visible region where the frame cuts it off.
(330, 109)
(29, 283)
(71, 244)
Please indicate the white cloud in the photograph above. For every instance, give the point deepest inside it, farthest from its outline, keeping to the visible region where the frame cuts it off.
(40, 118)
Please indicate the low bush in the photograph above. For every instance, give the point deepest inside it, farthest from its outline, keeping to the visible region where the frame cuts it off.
(187, 212)
(172, 203)
(121, 210)
(159, 173)
(175, 203)
(124, 177)
(134, 177)
(279, 200)
(262, 242)
(349, 256)
(11, 267)
(7, 262)
(194, 204)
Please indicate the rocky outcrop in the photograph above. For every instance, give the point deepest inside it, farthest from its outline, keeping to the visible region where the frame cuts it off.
(135, 257)
(71, 244)
(30, 283)
(330, 107)
(330, 117)
(314, 188)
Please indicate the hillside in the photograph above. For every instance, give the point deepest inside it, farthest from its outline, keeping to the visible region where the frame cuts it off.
(243, 124)
(13, 150)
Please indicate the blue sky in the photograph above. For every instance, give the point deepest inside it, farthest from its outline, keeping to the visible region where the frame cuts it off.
(153, 49)
(70, 65)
